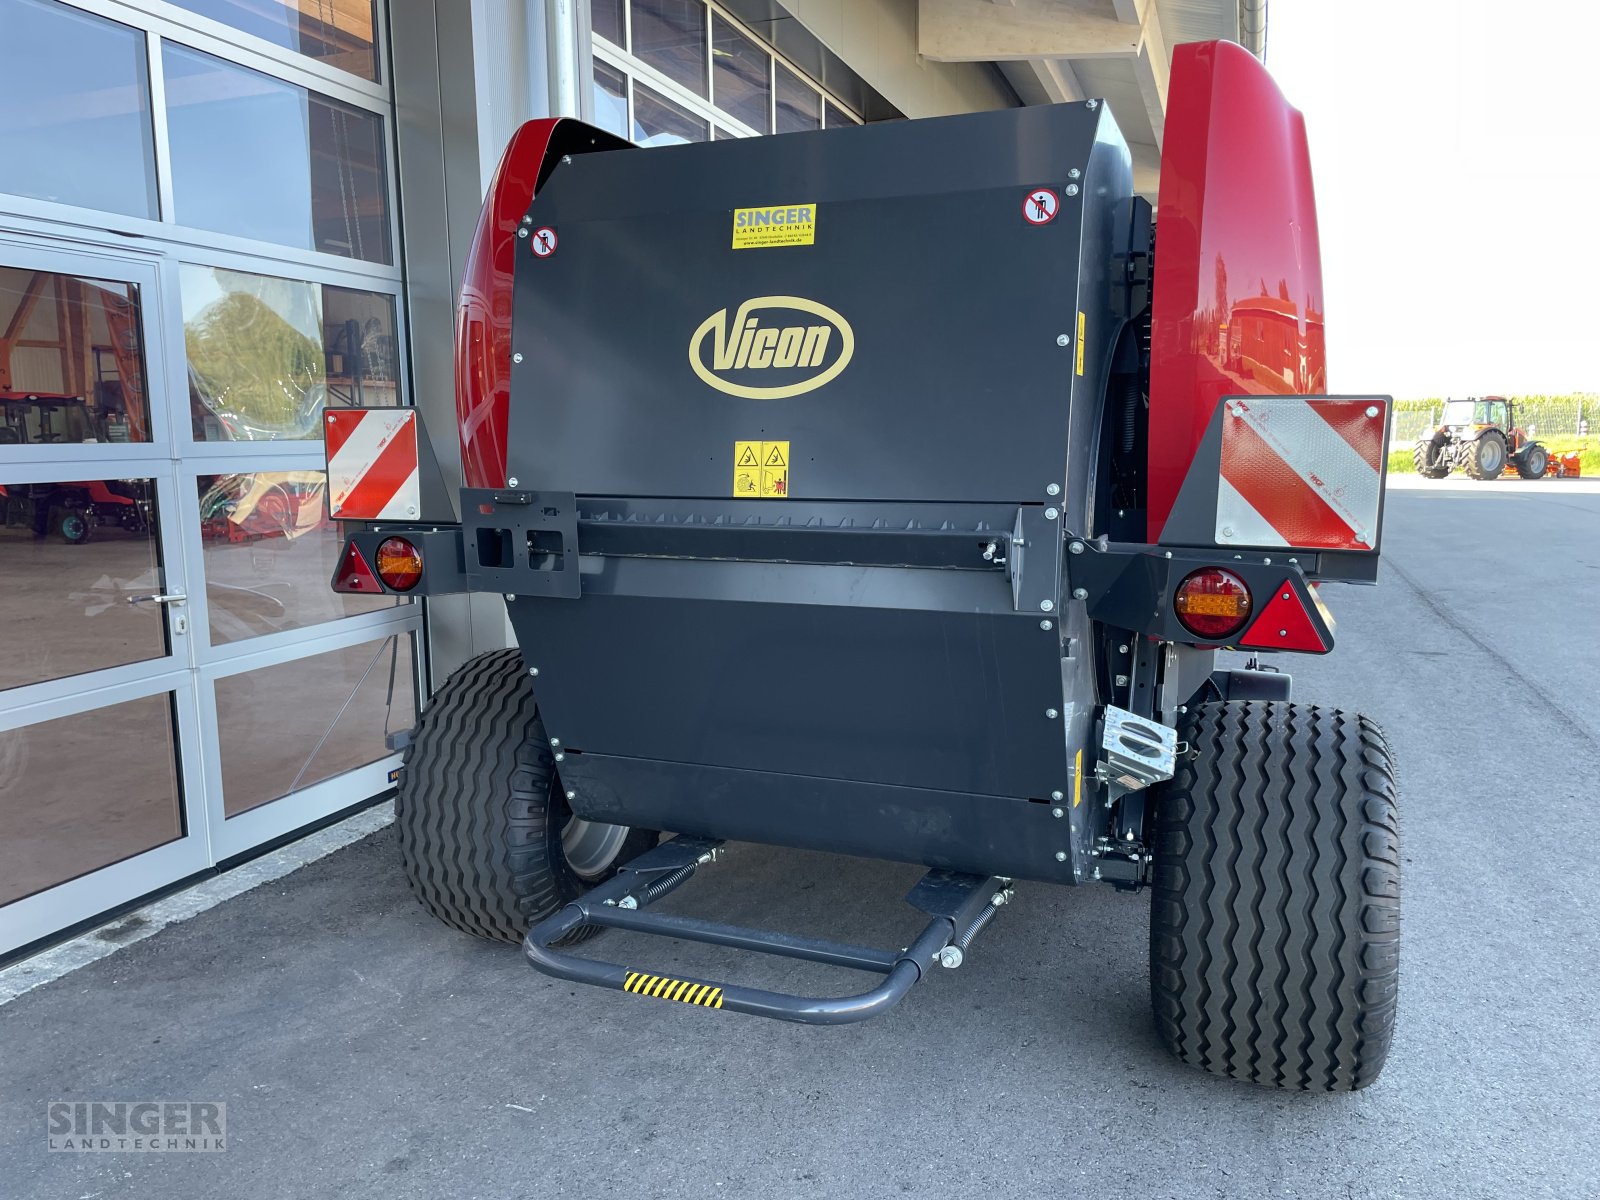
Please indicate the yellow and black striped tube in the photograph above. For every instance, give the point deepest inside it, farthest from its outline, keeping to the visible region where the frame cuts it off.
(663, 987)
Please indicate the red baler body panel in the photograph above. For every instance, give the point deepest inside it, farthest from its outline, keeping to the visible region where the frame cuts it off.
(1237, 305)
(483, 316)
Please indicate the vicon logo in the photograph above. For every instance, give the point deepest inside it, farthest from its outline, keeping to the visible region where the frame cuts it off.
(797, 358)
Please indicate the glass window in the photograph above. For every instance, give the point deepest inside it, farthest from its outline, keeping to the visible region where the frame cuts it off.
(269, 550)
(657, 121)
(337, 32)
(71, 555)
(75, 118)
(740, 76)
(288, 726)
(799, 105)
(260, 158)
(71, 360)
(605, 18)
(266, 355)
(610, 99)
(835, 117)
(670, 35)
(59, 820)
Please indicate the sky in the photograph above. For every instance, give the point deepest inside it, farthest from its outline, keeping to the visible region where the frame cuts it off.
(1455, 148)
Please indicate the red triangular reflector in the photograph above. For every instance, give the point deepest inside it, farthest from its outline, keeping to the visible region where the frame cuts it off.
(1284, 624)
(355, 574)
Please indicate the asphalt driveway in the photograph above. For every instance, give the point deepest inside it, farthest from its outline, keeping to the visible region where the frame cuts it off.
(364, 1050)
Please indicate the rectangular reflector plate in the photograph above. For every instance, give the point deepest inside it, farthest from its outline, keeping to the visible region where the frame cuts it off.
(372, 464)
(1302, 472)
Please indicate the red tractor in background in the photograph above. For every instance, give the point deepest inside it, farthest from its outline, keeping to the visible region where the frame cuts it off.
(1479, 436)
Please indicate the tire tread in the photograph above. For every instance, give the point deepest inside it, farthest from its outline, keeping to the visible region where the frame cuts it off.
(1274, 925)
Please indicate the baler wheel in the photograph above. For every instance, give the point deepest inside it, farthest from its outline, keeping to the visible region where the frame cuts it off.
(1486, 457)
(1275, 914)
(1429, 464)
(1533, 462)
(486, 838)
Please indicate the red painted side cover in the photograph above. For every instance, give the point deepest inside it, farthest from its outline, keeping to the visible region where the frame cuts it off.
(483, 314)
(1237, 305)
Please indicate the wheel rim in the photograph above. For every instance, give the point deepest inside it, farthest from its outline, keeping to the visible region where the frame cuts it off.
(591, 847)
(72, 528)
(1493, 456)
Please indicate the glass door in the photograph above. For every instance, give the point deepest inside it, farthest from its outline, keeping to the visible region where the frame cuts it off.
(101, 789)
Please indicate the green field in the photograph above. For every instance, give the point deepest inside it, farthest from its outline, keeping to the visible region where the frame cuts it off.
(1400, 462)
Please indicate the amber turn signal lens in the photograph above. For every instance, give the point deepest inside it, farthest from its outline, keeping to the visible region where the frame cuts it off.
(1210, 603)
(399, 564)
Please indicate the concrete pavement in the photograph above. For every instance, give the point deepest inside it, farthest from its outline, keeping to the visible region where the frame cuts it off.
(364, 1050)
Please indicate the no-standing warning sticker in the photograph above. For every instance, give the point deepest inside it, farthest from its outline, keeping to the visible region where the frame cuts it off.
(543, 242)
(1041, 206)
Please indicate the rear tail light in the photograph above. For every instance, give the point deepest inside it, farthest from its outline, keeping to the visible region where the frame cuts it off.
(1210, 603)
(399, 564)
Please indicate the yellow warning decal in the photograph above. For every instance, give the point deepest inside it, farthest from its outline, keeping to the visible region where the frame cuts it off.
(1080, 341)
(1077, 779)
(761, 470)
(775, 225)
(665, 988)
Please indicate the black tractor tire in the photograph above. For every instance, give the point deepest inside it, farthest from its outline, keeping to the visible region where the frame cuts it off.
(1275, 913)
(1429, 462)
(76, 526)
(1533, 462)
(1486, 457)
(481, 812)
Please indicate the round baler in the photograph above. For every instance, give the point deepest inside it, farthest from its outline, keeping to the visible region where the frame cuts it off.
(892, 491)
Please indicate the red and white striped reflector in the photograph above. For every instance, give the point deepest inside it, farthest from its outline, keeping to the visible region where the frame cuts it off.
(372, 464)
(1301, 472)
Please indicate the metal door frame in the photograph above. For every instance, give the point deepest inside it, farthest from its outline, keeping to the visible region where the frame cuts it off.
(67, 903)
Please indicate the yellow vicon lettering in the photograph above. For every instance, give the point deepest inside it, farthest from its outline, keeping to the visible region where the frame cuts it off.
(745, 343)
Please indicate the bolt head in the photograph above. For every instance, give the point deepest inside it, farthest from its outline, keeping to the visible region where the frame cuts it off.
(522, 233)
(1061, 856)
(1058, 812)
(951, 957)
(1075, 547)
(1372, 410)
(534, 671)
(1071, 189)
(555, 741)
(1122, 649)
(1074, 173)
(1053, 489)
(1283, 633)
(512, 482)
(572, 795)
(1122, 681)
(1047, 605)
(1051, 514)
(1063, 340)
(1093, 104)
(1080, 593)
(1051, 714)
(560, 757)
(1055, 796)
(516, 358)
(1047, 625)
(1227, 531)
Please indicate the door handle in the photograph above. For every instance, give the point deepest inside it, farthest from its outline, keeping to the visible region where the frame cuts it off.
(158, 598)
